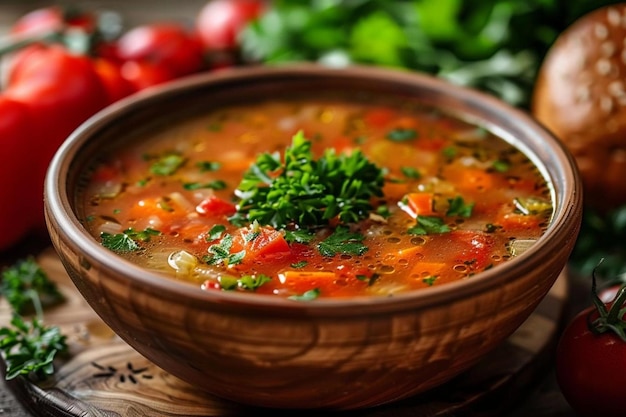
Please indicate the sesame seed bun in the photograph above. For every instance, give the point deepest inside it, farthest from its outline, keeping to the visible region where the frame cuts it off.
(580, 95)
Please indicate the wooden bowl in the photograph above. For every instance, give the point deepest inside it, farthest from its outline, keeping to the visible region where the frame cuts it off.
(335, 353)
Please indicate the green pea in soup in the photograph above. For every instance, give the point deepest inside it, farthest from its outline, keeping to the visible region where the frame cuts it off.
(328, 198)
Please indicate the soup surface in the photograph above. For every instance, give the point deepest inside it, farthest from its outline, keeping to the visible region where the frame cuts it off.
(327, 198)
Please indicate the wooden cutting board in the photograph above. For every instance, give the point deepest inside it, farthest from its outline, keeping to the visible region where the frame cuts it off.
(103, 376)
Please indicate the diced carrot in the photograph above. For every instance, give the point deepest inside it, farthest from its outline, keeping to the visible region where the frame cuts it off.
(518, 221)
(300, 282)
(476, 179)
(291, 275)
(418, 204)
(428, 268)
(158, 206)
(395, 189)
(407, 253)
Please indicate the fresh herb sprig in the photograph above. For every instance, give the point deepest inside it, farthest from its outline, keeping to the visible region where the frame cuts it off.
(28, 346)
(128, 240)
(299, 189)
(27, 287)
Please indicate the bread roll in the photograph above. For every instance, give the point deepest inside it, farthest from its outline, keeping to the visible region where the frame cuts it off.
(580, 95)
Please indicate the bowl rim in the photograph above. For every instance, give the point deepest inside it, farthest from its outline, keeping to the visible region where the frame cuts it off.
(562, 226)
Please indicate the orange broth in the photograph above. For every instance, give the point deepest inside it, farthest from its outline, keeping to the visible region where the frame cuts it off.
(487, 199)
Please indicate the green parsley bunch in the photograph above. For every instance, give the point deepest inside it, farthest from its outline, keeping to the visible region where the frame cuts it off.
(307, 192)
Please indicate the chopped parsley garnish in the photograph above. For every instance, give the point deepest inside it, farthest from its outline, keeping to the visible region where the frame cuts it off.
(458, 207)
(167, 164)
(299, 236)
(302, 190)
(429, 280)
(401, 134)
(449, 152)
(206, 166)
(215, 185)
(220, 253)
(128, 240)
(246, 282)
(383, 211)
(344, 242)
(299, 264)
(411, 173)
(500, 166)
(310, 295)
(216, 232)
(370, 279)
(426, 225)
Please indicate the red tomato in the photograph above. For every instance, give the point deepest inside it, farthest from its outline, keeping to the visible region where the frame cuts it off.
(591, 368)
(166, 45)
(15, 214)
(219, 22)
(116, 86)
(142, 75)
(215, 206)
(53, 18)
(60, 90)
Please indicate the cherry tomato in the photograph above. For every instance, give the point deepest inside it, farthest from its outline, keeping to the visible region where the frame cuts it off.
(52, 18)
(591, 368)
(219, 22)
(142, 74)
(116, 86)
(166, 45)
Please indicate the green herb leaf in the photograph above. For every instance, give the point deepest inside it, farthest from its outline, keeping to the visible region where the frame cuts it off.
(458, 207)
(252, 282)
(127, 241)
(299, 236)
(501, 166)
(207, 166)
(216, 232)
(220, 253)
(344, 242)
(214, 185)
(430, 280)
(307, 296)
(167, 164)
(411, 173)
(401, 135)
(299, 264)
(428, 225)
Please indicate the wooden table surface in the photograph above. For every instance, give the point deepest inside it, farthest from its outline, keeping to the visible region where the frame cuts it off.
(543, 398)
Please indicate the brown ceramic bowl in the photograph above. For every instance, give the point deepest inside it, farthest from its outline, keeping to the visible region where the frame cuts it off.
(336, 354)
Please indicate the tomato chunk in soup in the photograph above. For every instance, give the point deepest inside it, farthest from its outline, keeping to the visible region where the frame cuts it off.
(317, 198)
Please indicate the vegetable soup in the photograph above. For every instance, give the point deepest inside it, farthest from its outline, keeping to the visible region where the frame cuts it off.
(331, 197)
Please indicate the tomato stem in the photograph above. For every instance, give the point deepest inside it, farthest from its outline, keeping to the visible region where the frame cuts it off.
(12, 43)
(611, 314)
